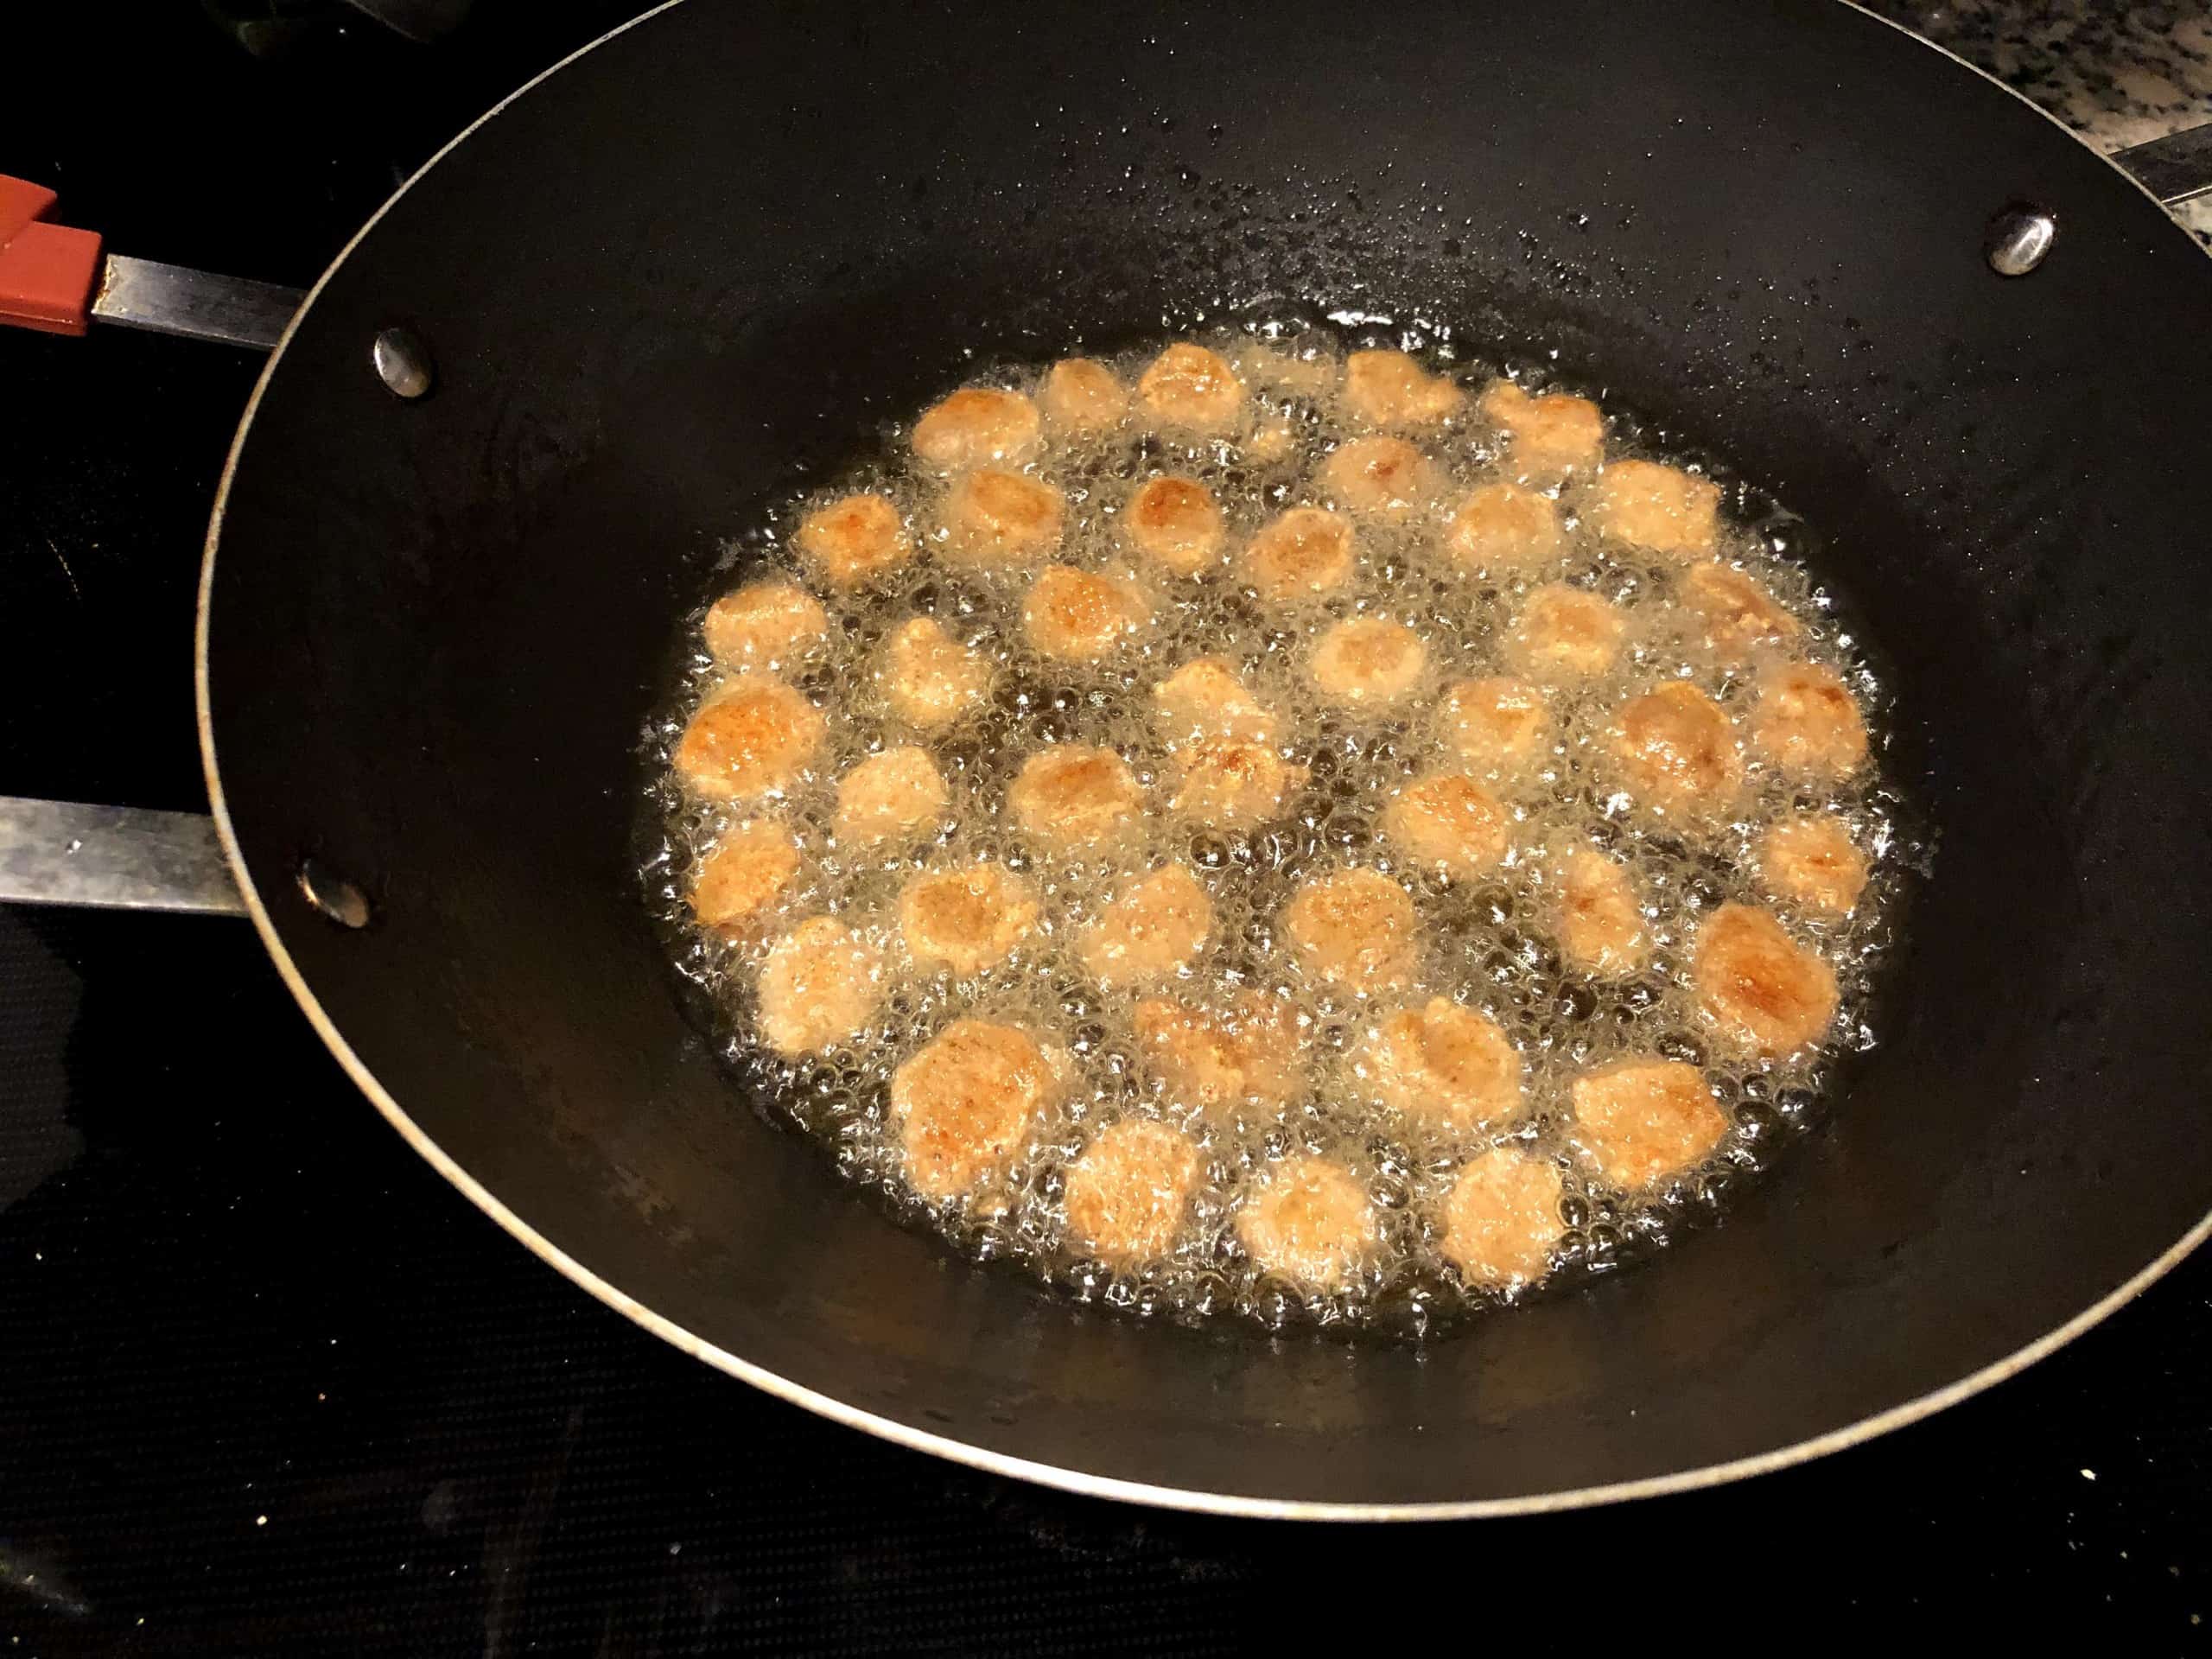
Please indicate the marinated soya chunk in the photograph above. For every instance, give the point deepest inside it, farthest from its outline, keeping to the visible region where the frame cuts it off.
(1175, 524)
(1368, 662)
(1385, 477)
(1546, 434)
(995, 520)
(1811, 860)
(1300, 556)
(1498, 723)
(1248, 1051)
(928, 679)
(1564, 634)
(1806, 721)
(1191, 388)
(1389, 390)
(1501, 529)
(765, 624)
(1073, 795)
(896, 796)
(1083, 398)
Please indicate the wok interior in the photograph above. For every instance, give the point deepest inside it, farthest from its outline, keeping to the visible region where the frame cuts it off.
(437, 632)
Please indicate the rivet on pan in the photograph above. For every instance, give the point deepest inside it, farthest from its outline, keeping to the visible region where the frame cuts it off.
(333, 894)
(2019, 239)
(402, 362)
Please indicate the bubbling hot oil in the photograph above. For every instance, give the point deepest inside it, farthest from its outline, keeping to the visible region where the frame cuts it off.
(1486, 944)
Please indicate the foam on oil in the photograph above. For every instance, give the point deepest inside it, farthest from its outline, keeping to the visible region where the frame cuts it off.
(1484, 944)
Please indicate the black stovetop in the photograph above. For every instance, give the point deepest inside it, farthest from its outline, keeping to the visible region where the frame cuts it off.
(268, 1385)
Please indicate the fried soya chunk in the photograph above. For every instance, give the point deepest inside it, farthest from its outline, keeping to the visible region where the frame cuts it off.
(976, 426)
(1502, 530)
(1389, 390)
(1310, 1223)
(967, 917)
(1501, 1220)
(854, 539)
(965, 1104)
(1760, 988)
(1356, 929)
(1443, 1067)
(820, 984)
(1643, 1118)
(1152, 930)
(1546, 434)
(1129, 1191)
(755, 739)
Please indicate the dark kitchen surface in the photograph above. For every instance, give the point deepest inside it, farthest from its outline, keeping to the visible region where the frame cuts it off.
(268, 1385)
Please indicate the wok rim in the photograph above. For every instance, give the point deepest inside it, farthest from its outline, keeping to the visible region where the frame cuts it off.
(1080, 1482)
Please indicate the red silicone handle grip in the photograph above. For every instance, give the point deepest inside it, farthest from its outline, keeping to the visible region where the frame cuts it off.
(21, 201)
(47, 272)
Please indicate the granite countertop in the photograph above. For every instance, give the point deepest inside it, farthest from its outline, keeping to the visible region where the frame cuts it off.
(2117, 74)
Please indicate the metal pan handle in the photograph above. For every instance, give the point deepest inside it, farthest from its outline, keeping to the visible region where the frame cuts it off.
(113, 858)
(2175, 169)
(59, 280)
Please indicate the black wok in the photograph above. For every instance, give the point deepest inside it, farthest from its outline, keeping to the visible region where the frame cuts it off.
(698, 265)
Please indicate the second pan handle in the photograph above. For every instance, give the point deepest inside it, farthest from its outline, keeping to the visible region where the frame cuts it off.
(2175, 169)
